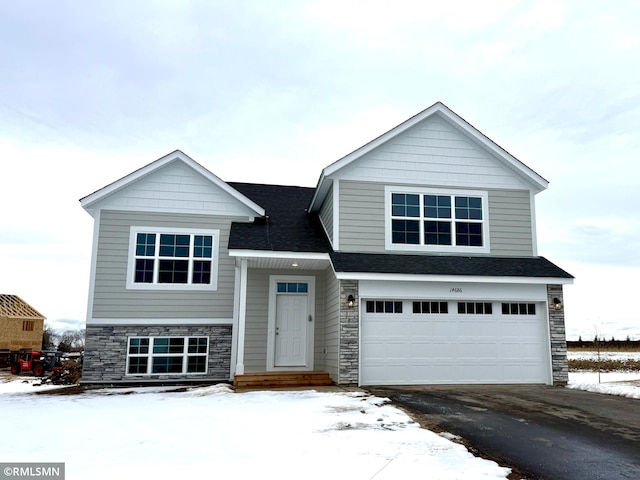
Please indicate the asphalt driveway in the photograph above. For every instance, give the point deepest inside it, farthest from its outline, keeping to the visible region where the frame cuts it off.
(542, 432)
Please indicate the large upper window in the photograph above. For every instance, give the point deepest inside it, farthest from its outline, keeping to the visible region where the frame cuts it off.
(173, 258)
(167, 355)
(436, 219)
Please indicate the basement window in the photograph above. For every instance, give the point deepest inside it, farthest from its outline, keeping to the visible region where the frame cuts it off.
(167, 355)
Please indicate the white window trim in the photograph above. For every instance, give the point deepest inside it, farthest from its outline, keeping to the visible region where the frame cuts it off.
(184, 356)
(134, 230)
(389, 189)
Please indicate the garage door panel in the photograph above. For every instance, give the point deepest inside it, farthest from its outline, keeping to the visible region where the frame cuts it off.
(454, 348)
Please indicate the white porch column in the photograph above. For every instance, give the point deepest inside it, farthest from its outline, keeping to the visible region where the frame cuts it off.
(242, 314)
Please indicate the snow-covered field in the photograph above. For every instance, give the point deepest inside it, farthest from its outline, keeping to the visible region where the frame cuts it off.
(593, 356)
(210, 432)
(626, 384)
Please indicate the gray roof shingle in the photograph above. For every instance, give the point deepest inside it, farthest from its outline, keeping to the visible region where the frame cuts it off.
(287, 227)
(446, 265)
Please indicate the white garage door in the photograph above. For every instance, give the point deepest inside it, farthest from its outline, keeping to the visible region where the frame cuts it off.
(439, 342)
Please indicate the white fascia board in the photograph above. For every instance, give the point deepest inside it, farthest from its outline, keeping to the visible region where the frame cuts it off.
(273, 254)
(159, 321)
(376, 142)
(401, 277)
(534, 178)
(445, 112)
(90, 200)
(323, 186)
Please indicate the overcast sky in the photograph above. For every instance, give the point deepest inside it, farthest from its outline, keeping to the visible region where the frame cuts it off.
(272, 92)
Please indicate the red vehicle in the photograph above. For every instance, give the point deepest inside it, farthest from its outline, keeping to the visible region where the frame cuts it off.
(36, 361)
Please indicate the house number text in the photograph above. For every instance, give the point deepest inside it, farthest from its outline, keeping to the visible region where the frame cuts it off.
(455, 290)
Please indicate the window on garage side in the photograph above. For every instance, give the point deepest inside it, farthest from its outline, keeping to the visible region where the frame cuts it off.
(423, 219)
(518, 308)
(383, 306)
(167, 355)
(475, 308)
(425, 306)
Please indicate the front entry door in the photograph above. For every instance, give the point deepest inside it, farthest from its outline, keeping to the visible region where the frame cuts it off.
(291, 330)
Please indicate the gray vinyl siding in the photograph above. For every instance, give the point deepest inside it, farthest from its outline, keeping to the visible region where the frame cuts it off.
(326, 214)
(113, 300)
(433, 152)
(361, 217)
(362, 220)
(510, 223)
(257, 317)
(256, 321)
(332, 325)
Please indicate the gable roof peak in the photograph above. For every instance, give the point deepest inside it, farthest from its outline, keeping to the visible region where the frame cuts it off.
(89, 202)
(439, 108)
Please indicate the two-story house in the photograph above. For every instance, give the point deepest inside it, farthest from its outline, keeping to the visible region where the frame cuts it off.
(413, 261)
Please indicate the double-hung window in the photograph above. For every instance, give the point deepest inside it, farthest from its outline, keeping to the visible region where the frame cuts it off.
(437, 220)
(162, 258)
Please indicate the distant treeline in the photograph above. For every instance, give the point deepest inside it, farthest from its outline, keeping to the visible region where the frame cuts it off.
(592, 344)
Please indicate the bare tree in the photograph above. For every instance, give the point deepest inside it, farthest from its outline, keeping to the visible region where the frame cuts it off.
(71, 340)
(49, 338)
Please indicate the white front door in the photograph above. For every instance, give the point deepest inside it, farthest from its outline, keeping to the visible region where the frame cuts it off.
(291, 323)
(291, 330)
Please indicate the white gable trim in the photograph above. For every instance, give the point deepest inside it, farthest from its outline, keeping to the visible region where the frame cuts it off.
(90, 201)
(538, 182)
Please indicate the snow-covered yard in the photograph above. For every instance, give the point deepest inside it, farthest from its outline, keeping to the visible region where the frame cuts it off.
(626, 384)
(210, 432)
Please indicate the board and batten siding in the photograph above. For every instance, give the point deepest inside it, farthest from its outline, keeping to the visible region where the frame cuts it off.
(113, 300)
(257, 316)
(362, 220)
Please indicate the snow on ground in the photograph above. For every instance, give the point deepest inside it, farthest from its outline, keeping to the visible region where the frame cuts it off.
(158, 432)
(593, 356)
(210, 432)
(625, 384)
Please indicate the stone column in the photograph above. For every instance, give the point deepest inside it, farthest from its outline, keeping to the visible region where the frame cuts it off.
(557, 333)
(349, 333)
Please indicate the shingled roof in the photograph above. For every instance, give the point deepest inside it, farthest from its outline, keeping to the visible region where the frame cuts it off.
(12, 306)
(287, 226)
(446, 265)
